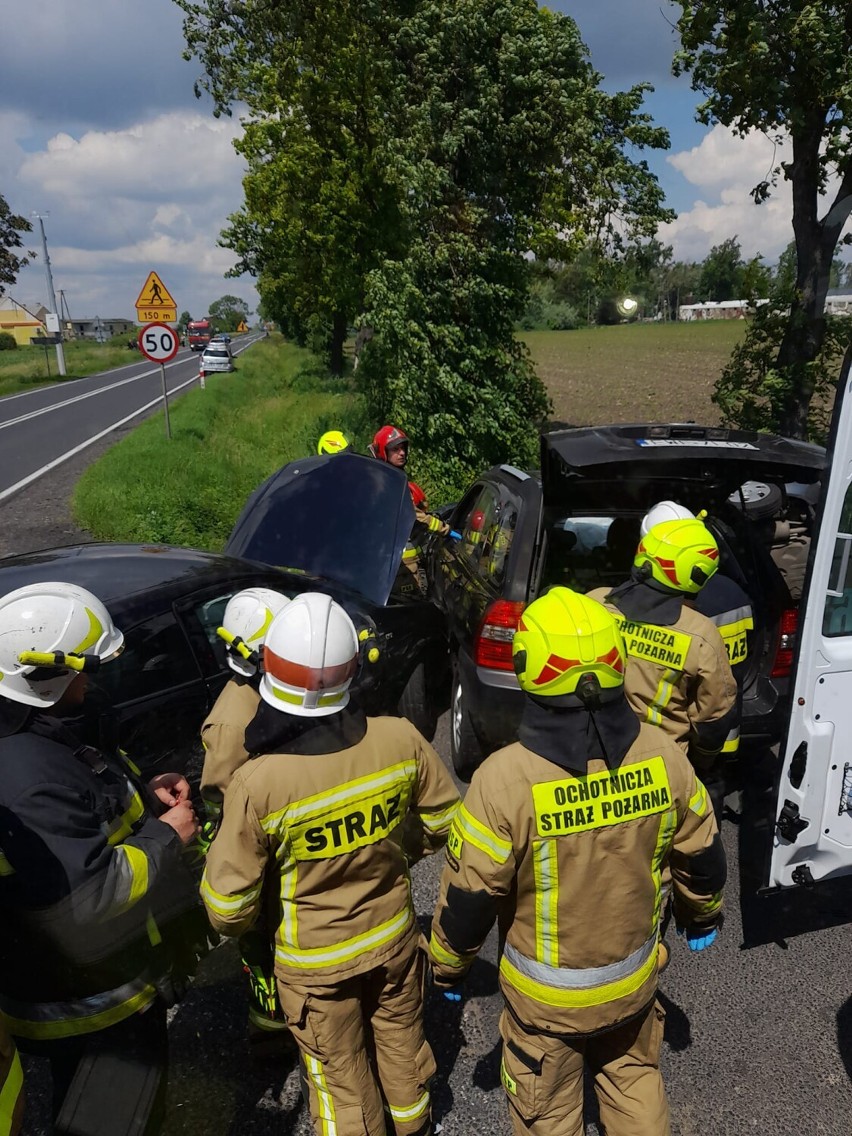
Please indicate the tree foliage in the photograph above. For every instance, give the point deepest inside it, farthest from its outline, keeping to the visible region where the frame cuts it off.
(784, 67)
(11, 261)
(228, 312)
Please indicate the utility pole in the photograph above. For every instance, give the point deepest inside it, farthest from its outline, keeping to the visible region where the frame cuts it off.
(60, 354)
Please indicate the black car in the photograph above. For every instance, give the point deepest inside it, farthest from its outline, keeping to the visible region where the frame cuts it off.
(576, 522)
(168, 602)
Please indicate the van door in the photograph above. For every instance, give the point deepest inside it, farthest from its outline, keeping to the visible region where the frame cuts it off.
(813, 831)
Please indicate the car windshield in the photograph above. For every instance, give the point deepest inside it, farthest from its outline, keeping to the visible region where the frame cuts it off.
(583, 552)
(345, 518)
(220, 354)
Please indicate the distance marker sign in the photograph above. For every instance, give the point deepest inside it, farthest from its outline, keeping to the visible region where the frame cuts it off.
(158, 342)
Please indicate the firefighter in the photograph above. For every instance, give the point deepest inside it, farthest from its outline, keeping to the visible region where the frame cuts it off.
(724, 603)
(578, 821)
(334, 442)
(92, 884)
(313, 827)
(245, 622)
(11, 1086)
(678, 675)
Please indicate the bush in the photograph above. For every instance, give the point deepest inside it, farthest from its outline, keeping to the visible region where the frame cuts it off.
(8, 341)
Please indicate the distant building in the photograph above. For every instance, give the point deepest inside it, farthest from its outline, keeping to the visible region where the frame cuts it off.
(715, 310)
(97, 328)
(838, 302)
(19, 322)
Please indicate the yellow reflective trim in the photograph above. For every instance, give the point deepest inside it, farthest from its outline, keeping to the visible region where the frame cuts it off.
(289, 914)
(455, 843)
(359, 823)
(96, 630)
(153, 931)
(698, 800)
(546, 871)
(261, 631)
(413, 1112)
(325, 1103)
(10, 1092)
(320, 802)
(574, 998)
(227, 905)
(122, 826)
(131, 765)
(509, 1082)
(435, 822)
(665, 688)
(481, 837)
(348, 949)
(6, 868)
(137, 862)
(661, 645)
(665, 838)
(73, 1027)
(298, 699)
(732, 742)
(444, 956)
(410, 553)
(599, 800)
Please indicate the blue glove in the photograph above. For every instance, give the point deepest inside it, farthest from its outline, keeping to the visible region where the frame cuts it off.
(455, 994)
(453, 535)
(699, 940)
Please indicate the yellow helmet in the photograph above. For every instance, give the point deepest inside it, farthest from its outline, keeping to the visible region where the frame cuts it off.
(681, 555)
(563, 638)
(333, 442)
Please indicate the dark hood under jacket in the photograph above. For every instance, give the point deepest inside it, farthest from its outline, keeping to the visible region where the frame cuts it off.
(274, 731)
(643, 600)
(572, 738)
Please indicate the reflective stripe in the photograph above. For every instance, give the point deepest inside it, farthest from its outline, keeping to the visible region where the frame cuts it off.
(444, 956)
(593, 986)
(49, 1020)
(413, 1112)
(665, 838)
(320, 802)
(134, 863)
(299, 699)
(96, 630)
(348, 949)
(288, 928)
(227, 905)
(10, 1092)
(732, 741)
(740, 618)
(436, 822)
(662, 697)
(325, 1104)
(410, 552)
(122, 826)
(698, 800)
(481, 837)
(6, 868)
(546, 869)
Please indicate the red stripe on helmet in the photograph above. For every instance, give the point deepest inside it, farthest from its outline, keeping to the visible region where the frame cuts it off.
(308, 678)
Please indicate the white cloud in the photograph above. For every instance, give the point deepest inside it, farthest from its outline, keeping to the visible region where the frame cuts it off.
(725, 168)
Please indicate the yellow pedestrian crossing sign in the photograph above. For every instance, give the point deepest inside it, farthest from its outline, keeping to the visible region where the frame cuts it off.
(155, 303)
(243, 326)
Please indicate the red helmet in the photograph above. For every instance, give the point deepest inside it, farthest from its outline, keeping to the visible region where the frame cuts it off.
(388, 438)
(418, 497)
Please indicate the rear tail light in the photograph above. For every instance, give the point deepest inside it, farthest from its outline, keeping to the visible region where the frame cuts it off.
(783, 664)
(493, 647)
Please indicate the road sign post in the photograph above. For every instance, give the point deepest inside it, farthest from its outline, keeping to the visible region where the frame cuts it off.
(159, 343)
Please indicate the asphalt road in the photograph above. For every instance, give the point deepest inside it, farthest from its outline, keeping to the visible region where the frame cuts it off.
(42, 428)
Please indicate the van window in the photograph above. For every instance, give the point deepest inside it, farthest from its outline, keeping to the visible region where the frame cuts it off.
(837, 617)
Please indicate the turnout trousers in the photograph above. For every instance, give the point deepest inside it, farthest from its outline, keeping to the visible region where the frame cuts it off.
(543, 1079)
(365, 1059)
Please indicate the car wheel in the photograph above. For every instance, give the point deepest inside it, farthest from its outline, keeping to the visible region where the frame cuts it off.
(416, 705)
(465, 750)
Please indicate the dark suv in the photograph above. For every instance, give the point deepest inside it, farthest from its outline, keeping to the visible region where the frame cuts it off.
(576, 523)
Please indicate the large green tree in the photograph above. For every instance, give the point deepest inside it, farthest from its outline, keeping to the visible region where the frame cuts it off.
(784, 67)
(228, 312)
(722, 271)
(11, 261)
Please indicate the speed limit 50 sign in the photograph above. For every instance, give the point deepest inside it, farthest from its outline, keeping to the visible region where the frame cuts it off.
(158, 342)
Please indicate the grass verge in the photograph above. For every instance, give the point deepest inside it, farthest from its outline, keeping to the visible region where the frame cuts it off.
(225, 441)
(29, 367)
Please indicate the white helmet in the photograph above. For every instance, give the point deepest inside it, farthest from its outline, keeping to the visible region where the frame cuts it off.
(310, 657)
(48, 634)
(664, 511)
(245, 623)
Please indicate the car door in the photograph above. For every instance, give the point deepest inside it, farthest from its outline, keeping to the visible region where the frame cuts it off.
(812, 840)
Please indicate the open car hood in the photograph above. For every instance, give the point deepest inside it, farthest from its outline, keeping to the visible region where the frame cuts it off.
(649, 461)
(342, 517)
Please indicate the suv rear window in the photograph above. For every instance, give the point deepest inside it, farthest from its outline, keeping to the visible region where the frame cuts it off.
(583, 553)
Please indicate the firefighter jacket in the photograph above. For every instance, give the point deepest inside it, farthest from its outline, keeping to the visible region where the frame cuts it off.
(581, 857)
(726, 605)
(223, 735)
(88, 879)
(678, 675)
(11, 1086)
(321, 822)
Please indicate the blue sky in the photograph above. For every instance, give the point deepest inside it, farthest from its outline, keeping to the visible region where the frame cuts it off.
(99, 126)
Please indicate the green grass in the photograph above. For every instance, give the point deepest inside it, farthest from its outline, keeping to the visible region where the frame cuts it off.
(634, 372)
(225, 441)
(28, 367)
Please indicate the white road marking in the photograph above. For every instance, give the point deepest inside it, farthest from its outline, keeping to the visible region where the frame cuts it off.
(25, 481)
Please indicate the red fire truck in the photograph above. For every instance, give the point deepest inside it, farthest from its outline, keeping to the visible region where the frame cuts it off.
(198, 334)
